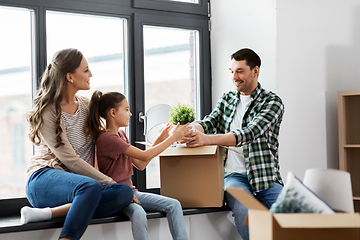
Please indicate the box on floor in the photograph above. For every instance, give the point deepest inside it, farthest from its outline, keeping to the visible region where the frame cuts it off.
(264, 225)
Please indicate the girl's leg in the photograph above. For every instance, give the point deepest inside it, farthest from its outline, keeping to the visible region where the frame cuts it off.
(138, 220)
(51, 188)
(172, 208)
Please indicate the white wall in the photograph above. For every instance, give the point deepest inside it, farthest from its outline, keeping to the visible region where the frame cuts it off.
(212, 226)
(315, 41)
(235, 24)
(309, 51)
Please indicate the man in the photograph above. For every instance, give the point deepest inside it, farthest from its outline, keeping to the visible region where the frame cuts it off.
(249, 119)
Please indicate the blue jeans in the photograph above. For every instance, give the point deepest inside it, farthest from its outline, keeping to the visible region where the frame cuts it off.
(239, 211)
(153, 202)
(49, 187)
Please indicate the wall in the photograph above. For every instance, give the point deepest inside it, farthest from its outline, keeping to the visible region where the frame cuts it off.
(212, 226)
(309, 51)
(317, 56)
(235, 24)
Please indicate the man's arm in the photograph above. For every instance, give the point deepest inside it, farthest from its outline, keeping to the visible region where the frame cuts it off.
(200, 139)
(271, 114)
(214, 122)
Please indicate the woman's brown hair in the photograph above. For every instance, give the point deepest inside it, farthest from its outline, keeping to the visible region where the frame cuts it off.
(51, 91)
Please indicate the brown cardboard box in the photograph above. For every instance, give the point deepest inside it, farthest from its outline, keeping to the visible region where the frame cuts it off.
(264, 225)
(194, 176)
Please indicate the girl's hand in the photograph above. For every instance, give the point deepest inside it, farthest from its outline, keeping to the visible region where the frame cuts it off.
(180, 131)
(164, 134)
(135, 200)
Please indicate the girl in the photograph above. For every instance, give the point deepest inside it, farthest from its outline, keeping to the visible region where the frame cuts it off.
(60, 180)
(115, 158)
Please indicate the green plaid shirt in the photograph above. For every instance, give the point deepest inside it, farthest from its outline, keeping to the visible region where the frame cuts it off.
(258, 134)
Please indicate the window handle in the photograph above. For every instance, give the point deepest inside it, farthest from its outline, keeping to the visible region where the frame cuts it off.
(142, 118)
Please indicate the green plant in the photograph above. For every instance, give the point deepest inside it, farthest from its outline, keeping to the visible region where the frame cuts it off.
(182, 114)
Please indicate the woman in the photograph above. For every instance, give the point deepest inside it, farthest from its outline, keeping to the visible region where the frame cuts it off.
(59, 173)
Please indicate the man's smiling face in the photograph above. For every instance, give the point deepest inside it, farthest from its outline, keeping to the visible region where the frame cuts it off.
(244, 79)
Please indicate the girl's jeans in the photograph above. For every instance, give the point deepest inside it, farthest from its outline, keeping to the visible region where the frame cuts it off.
(239, 211)
(49, 187)
(153, 202)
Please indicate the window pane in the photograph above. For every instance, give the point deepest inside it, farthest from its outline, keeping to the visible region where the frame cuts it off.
(99, 38)
(171, 74)
(15, 99)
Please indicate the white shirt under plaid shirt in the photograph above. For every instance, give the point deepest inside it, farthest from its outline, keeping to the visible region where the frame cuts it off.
(258, 134)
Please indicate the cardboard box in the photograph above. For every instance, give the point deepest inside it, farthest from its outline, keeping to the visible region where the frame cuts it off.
(265, 225)
(194, 176)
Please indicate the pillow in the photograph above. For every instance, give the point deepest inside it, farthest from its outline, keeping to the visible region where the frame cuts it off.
(295, 197)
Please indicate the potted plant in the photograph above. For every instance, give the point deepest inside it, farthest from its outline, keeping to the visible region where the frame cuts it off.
(182, 114)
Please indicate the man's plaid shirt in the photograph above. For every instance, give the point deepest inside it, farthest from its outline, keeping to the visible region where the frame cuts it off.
(258, 134)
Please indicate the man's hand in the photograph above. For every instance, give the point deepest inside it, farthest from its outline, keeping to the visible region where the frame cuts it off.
(195, 139)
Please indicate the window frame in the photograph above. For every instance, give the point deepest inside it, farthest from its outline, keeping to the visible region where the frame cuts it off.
(137, 12)
(201, 8)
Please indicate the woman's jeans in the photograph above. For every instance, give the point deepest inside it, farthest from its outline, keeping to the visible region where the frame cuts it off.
(239, 211)
(153, 202)
(49, 187)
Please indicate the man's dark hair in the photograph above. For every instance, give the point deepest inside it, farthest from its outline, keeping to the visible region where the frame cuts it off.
(251, 58)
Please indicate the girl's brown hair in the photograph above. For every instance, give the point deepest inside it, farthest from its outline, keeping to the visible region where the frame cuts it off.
(100, 104)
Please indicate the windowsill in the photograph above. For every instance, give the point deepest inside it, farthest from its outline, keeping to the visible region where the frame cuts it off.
(12, 224)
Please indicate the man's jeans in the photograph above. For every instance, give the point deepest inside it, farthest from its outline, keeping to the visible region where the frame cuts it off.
(239, 211)
(49, 187)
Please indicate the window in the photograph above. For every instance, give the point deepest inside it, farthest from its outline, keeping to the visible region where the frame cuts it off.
(170, 75)
(170, 66)
(101, 41)
(129, 45)
(15, 98)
